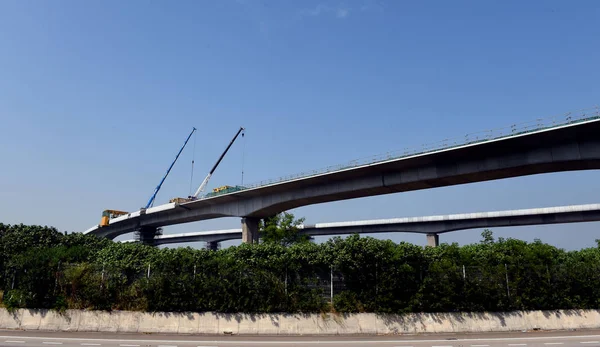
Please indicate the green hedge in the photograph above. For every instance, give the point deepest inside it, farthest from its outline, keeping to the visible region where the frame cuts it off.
(42, 268)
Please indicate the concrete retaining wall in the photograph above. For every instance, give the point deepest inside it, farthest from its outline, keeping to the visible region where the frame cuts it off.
(287, 324)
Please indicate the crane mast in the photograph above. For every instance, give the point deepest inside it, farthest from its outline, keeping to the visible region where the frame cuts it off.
(107, 215)
(210, 173)
(151, 200)
(207, 178)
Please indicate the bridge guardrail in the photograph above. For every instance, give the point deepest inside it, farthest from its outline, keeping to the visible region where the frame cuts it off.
(472, 138)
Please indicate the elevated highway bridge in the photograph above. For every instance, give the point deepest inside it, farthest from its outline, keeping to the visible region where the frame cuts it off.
(432, 226)
(555, 145)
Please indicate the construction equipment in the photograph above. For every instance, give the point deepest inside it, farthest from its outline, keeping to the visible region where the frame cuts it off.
(224, 190)
(151, 200)
(220, 189)
(107, 215)
(207, 178)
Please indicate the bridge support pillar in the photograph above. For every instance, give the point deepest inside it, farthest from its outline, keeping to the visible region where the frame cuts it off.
(147, 235)
(433, 240)
(250, 230)
(212, 245)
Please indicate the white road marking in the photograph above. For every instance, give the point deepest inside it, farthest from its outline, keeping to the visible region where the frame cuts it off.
(581, 342)
(52, 343)
(290, 342)
(12, 341)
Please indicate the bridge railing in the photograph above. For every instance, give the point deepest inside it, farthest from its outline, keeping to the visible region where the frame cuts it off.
(472, 138)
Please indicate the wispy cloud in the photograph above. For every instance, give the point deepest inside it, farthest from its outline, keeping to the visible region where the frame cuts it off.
(339, 11)
(342, 12)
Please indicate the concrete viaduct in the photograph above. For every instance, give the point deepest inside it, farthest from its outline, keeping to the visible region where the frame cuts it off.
(571, 145)
(432, 226)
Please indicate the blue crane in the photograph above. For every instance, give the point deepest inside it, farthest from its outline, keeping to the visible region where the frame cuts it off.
(151, 200)
(205, 181)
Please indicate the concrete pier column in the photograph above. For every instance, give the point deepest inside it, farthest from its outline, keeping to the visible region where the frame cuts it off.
(147, 235)
(212, 245)
(433, 240)
(250, 230)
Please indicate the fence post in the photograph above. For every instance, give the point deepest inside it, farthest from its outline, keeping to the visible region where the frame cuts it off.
(56, 277)
(194, 271)
(286, 282)
(507, 287)
(331, 283)
(376, 278)
(464, 273)
(148, 275)
(102, 279)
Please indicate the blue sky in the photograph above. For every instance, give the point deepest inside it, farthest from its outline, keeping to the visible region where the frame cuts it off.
(96, 98)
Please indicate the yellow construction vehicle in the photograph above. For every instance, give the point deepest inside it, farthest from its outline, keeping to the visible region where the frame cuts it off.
(107, 215)
(220, 189)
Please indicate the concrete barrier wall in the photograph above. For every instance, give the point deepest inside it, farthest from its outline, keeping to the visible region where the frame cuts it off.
(296, 324)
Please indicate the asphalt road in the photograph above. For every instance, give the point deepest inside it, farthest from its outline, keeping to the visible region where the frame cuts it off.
(588, 338)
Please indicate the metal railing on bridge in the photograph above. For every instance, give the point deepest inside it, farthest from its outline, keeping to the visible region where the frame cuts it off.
(472, 138)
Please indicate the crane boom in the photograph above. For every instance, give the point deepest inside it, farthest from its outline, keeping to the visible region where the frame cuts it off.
(151, 200)
(202, 186)
(205, 181)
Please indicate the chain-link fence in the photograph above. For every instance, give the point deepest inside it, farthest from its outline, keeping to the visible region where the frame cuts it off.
(215, 287)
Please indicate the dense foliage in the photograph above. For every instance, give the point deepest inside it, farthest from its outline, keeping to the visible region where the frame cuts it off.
(282, 229)
(42, 268)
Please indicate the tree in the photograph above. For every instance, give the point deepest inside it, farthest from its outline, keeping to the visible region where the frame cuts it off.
(488, 237)
(282, 229)
(42, 268)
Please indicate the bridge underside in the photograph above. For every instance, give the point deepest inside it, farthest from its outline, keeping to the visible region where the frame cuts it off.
(445, 226)
(570, 148)
(422, 225)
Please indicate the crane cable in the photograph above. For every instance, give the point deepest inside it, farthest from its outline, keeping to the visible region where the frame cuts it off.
(243, 154)
(193, 157)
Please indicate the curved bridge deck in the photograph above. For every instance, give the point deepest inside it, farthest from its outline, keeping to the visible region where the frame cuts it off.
(571, 146)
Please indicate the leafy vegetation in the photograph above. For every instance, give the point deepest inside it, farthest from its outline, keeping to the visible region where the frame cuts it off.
(282, 229)
(43, 268)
